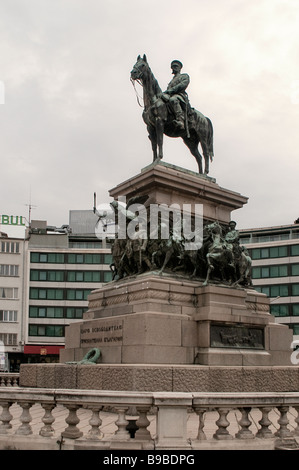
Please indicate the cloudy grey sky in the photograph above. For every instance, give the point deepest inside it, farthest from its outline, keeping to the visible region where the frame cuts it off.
(71, 125)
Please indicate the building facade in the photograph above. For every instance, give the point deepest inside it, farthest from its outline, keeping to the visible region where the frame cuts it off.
(275, 269)
(45, 280)
(12, 301)
(63, 266)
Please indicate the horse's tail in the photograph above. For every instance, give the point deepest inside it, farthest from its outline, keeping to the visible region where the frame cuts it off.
(210, 139)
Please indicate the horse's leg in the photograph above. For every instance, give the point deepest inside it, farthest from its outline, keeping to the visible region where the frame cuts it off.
(159, 134)
(206, 157)
(153, 138)
(193, 147)
(168, 255)
(210, 269)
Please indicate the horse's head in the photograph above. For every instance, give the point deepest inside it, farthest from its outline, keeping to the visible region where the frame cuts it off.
(137, 73)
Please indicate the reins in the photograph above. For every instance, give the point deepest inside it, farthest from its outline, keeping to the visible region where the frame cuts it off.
(136, 92)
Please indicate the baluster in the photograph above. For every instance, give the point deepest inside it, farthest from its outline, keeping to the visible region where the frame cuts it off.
(283, 421)
(201, 415)
(264, 432)
(143, 423)
(95, 422)
(5, 417)
(2, 383)
(121, 423)
(244, 422)
(72, 432)
(48, 419)
(296, 431)
(9, 382)
(15, 382)
(25, 418)
(222, 423)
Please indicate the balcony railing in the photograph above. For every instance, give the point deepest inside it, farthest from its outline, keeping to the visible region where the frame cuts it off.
(78, 419)
(9, 379)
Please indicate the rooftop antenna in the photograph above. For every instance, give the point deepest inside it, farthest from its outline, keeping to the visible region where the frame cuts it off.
(30, 207)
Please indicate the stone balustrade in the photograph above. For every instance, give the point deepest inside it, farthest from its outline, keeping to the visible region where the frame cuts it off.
(164, 420)
(9, 379)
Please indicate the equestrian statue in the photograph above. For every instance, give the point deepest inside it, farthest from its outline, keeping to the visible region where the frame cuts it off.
(170, 113)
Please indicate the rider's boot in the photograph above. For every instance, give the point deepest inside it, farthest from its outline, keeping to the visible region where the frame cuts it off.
(179, 121)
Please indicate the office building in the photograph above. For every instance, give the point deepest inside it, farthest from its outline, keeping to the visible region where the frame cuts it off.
(275, 269)
(12, 301)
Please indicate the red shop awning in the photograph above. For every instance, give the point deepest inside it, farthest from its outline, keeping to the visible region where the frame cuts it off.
(42, 350)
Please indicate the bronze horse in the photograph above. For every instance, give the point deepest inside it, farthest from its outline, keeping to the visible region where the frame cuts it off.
(159, 119)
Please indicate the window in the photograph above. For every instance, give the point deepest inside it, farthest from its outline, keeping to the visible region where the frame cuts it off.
(49, 294)
(107, 258)
(295, 269)
(46, 330)
(10, 247)
(279, 290)
(8, 315)
(47, 257)
(279, 310)
(8, 293)
(278, 251)
(9, 270)
(78, 294)
(107, 276)
(83, 276)
(9, 339)
(273, 252)
(295, 289)
(74, 312)
(295, 250)
(295, 328)
(45, 312)
(50, 276)
(76, 258)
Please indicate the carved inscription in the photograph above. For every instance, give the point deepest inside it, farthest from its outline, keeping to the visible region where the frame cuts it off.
(224, 336)
(105, 333)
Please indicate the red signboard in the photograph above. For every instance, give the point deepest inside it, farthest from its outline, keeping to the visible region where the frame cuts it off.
(43, 350)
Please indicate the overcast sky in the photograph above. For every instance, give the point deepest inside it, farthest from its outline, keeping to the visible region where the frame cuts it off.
(71, 124)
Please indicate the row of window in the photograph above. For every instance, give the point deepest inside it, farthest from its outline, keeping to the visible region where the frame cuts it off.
(270, 238)
(274, 252)
(46, 330)
(9, 339)
(281, 270)
(70, 276)
(86, 244)
(9, 270)
(56, 312)
(71, 258)
(284, 310)
(8, 315)
(10, 247)
(279, 290)
(58, 294)
(9, 293)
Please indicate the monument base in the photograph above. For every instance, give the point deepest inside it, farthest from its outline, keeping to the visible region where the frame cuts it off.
(152, 319)
(161, 378)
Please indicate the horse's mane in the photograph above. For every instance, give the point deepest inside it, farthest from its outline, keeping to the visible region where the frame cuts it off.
(153, 81)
